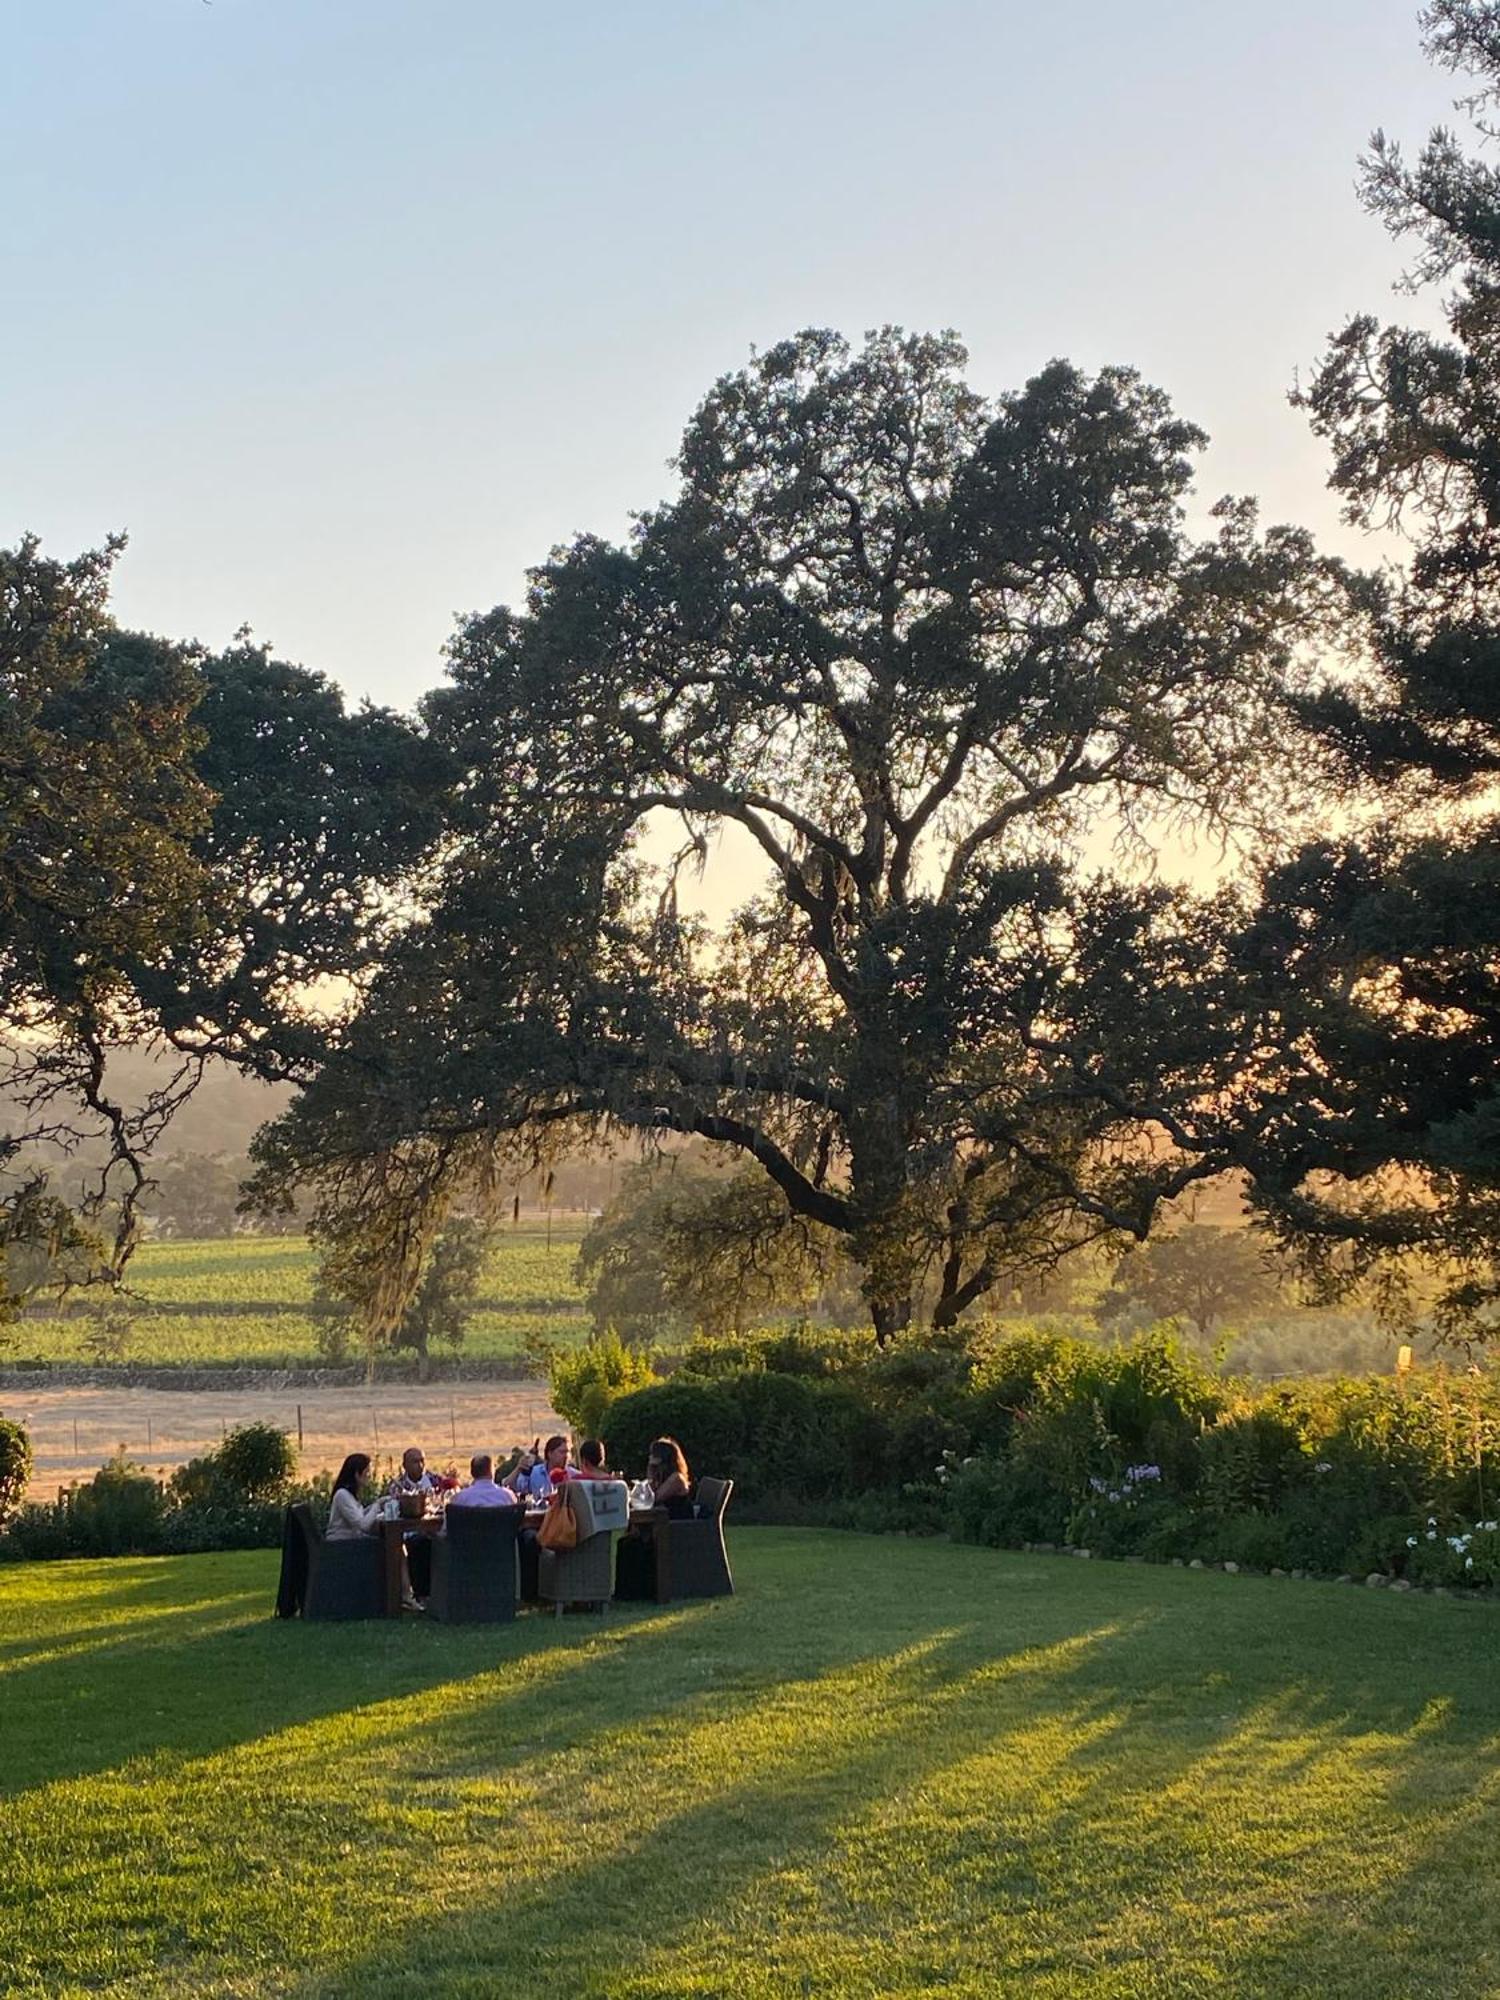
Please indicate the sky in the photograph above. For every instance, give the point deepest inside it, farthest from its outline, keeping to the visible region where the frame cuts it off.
(347, 311)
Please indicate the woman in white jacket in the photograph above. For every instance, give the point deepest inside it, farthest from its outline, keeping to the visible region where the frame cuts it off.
(348, 1520)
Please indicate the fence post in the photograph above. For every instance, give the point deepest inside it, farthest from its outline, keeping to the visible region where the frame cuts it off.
(299, 1427)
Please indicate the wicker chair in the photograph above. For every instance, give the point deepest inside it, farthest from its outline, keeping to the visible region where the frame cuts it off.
(700, 1562)
(345, 1579)
(585, 1574)
(474, 1566)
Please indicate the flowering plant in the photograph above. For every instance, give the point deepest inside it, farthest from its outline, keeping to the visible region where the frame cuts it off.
(1464, 1555)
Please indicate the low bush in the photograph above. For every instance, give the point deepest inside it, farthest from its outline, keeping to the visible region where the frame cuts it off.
(232, 1498)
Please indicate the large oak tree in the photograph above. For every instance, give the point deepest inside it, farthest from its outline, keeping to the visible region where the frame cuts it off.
(918, 649)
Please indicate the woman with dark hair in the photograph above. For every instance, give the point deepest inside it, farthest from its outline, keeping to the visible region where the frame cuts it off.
(346, 1518)
(635, 1558)
(667, 1476)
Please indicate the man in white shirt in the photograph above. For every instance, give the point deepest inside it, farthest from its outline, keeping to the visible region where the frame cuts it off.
(483, 1492)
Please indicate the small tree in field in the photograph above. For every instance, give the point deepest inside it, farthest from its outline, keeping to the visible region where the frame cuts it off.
(1199, 1273)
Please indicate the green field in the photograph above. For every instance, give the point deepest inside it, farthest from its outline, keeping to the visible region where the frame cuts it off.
(887, 1767)
(243, 1300)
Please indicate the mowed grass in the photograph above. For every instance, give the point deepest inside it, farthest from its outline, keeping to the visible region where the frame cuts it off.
(886, 1767)
(243, 1300)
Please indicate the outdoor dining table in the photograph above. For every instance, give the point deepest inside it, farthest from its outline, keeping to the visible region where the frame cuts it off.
(393, 1539)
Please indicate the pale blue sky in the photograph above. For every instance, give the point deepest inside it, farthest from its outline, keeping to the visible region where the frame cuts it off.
(347, 310)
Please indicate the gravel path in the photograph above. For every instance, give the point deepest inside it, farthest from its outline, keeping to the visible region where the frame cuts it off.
(74, 1430)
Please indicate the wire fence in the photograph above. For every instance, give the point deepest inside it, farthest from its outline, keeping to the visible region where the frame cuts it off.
(74, 1431)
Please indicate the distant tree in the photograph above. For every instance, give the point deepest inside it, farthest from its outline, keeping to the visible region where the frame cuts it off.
(914, 647)
(681, 1250)
(1389, 943)
(351, 1301)
(1200, 1273)
(196, 1194)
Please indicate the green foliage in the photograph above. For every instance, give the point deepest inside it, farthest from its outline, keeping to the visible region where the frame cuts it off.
(585, 1382)
(704, 1417)
(233, 1497)
(120, 1511)
(1139, 1449)
(443, 1303)
(802, 1349)
(15, 1466)
(196, 1194)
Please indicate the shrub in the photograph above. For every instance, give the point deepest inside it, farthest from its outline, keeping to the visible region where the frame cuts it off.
(585, 1382)
(257, 1461)
(793, 1350)
(15, 1466)
(703, 1416)
(116, 1513)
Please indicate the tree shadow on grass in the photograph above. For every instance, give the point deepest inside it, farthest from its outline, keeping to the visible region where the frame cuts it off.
(607, 1920)
(935, 1768)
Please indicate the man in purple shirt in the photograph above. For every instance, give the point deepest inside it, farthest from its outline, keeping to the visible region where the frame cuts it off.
(483, 1492)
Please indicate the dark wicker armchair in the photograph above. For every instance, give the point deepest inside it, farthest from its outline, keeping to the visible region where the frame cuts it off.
(344, 1579)
(584, 1575)
(700, 1562)
(474, 1566)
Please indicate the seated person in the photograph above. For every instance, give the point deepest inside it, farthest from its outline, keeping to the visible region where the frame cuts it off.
(554, 1459)
(591, 1461)
(635, 1558)
(415, 1478)
(518, 1479)
(483, 1492)
(348, 1520)
(667, 1476)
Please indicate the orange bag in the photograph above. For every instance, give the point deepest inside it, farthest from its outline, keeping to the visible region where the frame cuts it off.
(559, 1531)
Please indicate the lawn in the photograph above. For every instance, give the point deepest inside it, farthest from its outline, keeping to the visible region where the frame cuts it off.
(887, 1767)
(243, 1300)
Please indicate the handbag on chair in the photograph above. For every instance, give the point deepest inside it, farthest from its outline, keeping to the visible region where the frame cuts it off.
(559, 1531)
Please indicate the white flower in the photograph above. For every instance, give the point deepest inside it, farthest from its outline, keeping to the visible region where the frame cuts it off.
(1468, 1562)
(1411, 1541)
(1432, 1534)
